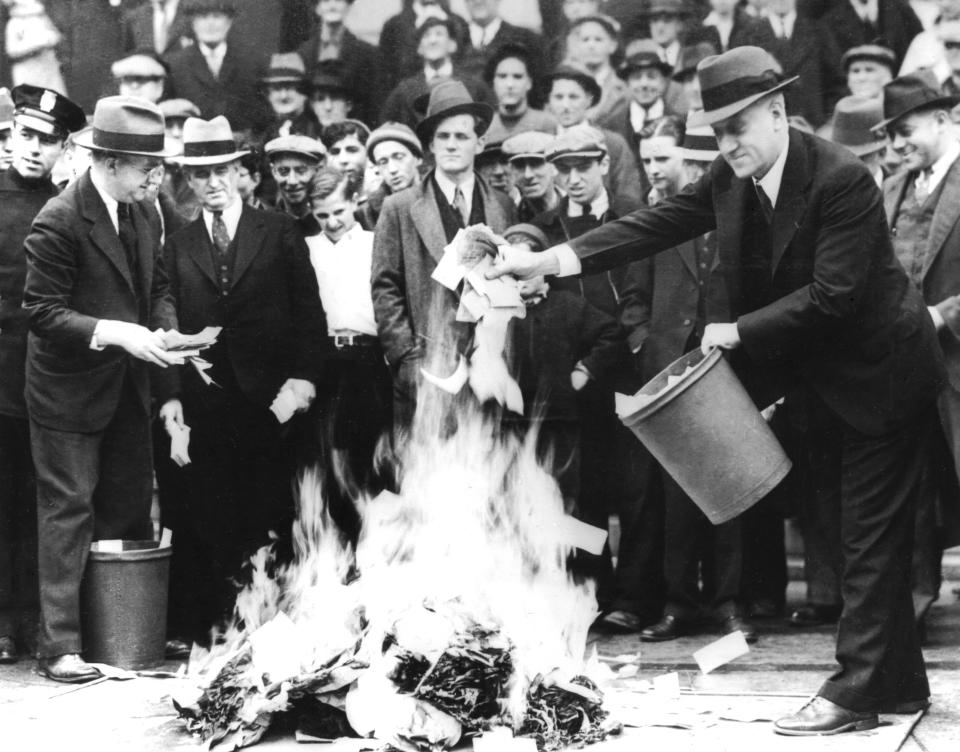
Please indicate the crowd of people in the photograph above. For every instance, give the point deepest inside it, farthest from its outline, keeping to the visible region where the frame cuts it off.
(293, 185)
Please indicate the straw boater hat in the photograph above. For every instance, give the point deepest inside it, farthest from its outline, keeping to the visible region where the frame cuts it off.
(446, 100)
(46, 111)
(911, 93)
(731, 82)
(285, 68)
(127, 125)
(855, 121)
(208, 142)
(699, 145)
(398, 132)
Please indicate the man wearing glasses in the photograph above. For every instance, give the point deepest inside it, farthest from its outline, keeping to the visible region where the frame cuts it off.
(98, 304)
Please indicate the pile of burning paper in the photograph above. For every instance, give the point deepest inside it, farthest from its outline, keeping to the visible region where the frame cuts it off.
(453, 616)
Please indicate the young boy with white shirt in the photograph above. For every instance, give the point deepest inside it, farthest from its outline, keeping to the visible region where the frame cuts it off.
(355, 398)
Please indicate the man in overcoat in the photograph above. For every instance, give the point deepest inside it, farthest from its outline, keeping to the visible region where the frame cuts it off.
(97, 294)
(821, 303)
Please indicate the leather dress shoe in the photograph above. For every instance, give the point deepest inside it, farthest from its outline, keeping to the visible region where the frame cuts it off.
(764, 608)
(69, 668)
(176, 649)
(621, 622)
(821, 717)
(814, 616)
(8, 650)
(736, 623)
(668, 628)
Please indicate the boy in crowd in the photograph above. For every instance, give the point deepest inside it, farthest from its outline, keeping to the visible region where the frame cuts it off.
(355, 394)
(331, 98)
(593, 41)
(508, 73)
(533, 177)
(346, 144)
(572, 94)
(397, 155)
(286, 88)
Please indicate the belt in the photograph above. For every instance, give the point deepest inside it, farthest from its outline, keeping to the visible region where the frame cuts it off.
(341, 341)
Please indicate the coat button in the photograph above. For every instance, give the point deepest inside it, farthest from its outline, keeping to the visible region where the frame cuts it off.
(686, 322)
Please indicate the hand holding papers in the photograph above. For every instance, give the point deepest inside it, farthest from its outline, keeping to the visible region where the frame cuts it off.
(189, 346)
(172, 416)
(294, 396)
(490, 304)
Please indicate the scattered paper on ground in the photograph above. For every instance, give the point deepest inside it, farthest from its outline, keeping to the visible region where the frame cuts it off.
(721, 652)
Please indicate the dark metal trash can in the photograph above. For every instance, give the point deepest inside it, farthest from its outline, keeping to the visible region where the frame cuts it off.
(124, 605)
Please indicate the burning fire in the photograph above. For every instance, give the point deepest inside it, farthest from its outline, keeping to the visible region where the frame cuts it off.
(454, 614)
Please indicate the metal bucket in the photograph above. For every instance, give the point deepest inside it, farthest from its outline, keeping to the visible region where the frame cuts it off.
(124, 605)
(709, 436)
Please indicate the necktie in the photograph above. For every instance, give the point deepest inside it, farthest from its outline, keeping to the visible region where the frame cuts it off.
(921, 186)
(784, 33)
(128, 239)
(159, 26)
(460, 204)
(221, 238)
(213, 61)
(765, 204)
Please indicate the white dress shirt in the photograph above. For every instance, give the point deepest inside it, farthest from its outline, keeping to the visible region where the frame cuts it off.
(938, 169)
(598, 207)
(868, 10)
(108, 200)
(448, 188)
(482, 36)
(231, 218)
(164, 11)
(639, 117)
(343, 276)
(770, 183)
(214, 57)
(444, 71)
(783, 25)
(723, 25)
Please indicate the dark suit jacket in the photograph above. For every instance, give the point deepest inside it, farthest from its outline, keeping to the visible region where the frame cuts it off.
(812, 54)
(273, 323)
(896, 23)
(843, 317)
(398, 46)
(666, 289)
(137, 29)
(407, 245)
(77, 274)
(940, 281)
(399, 105)
(20, 202)
(235, 93)
(360, 68)
(746, 31)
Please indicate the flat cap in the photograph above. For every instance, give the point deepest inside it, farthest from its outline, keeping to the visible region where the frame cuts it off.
(145, 64)
(527, 145)
(178, 109)
(399, 132)
(580, 141)
(303, 146)
(529, 232)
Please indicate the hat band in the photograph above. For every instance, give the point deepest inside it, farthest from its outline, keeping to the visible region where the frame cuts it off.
(284, 73)
(208, 148)
(113, 141)
(721, 95)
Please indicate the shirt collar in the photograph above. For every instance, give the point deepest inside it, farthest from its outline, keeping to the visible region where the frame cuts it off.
(231, 218)
(774, 177)
(483, 35)
(939, 168)
(599, 207)
(866, 9)
(109, 201)
(444, 71)
(348, 237)
(639, 117)
(448, 187)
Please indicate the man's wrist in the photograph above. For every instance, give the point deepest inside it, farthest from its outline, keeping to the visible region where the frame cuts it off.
(567, 263)
(97, 335)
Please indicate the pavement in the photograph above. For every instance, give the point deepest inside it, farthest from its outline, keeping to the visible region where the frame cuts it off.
(779, 673)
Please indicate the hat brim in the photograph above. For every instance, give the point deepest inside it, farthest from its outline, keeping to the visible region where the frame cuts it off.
(272, 156)
(212, 159)
(946, 103)
(481, 111)
(862, 150)
(578, 154)
(624, 71)
(85, 139)
(699, 155)
(588, 83)
(701, 118)
(291, 79)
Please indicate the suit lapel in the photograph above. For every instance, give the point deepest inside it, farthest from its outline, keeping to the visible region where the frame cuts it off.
(228, 67)
(103, 234)
(688, 252)
(496, 219)
(145, 247)
(792, 200)
(427, 221)
(945, 215)
(249, 239)
(200, 69)
(197, 245)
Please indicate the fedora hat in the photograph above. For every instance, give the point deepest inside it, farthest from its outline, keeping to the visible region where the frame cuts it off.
(446, 100)
(911, 93)
(208, 142)
(733, 81)
(127, 125)
(285, 68)
(690, 57)
(855, 122)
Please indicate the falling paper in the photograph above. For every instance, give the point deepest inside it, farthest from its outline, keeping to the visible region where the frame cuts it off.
(667, 686)
(201, 366)
(581, 535)
(721, 652)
